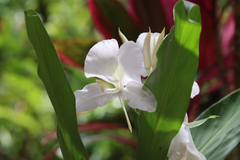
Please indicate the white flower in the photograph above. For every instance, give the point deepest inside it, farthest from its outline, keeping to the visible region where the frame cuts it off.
(182, 146)
(120, 67)
(149, 43)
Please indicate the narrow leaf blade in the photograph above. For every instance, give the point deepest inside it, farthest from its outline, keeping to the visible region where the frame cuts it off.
(59, 91)
(171, 83)
(200, 122)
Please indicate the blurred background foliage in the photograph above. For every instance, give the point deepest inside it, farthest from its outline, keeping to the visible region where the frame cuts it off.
(26, 114)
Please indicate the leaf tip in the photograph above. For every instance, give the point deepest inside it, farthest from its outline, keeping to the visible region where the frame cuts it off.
(30, 12)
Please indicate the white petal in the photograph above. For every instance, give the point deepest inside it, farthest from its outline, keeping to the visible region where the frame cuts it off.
(195, 90)
(156, 35)
(130, 59)
(144, 72)
(182, 146)
(142, 36)
(153, 42)
(139, 97)
(102, 61)
(90, 97)
(149, 50)
(141, 39)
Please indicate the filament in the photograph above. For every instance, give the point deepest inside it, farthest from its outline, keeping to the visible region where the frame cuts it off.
(126, 115)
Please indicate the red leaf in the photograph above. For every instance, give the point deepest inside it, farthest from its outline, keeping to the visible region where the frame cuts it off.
(73, 51)
(109, 15)
(207, 47)
(167, 7)
(100, 21)
(152, 13)
(227, 35)
(65, 59)
(123, 140)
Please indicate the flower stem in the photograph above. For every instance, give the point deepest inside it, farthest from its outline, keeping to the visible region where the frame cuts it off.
(126, 115)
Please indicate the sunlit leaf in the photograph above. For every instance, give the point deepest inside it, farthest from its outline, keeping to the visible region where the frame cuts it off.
(171, 83)
(216, 138)
(54, 79)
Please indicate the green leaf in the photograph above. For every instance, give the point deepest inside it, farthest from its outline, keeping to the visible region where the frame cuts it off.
(200, 122)
(59, 91)
(171, 83)
(216, 138)
(135, 115)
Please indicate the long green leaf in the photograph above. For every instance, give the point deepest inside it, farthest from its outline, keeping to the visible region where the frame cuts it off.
(59, 91)
(171, 83)
(216, 138)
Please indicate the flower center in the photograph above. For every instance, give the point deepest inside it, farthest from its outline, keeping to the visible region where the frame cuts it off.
(110, 90)
(119, 86)
(116, 90)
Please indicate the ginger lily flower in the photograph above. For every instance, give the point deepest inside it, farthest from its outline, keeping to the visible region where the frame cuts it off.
(182, 145)
(120, 67)
(149, 43)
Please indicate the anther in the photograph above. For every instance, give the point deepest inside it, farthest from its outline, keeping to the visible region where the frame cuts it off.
(100, 84)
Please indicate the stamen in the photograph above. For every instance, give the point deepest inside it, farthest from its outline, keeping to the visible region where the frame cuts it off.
(126, 115)
(100, 84)
(107, 90)
(123, 38)
(147, 52)
(159, 42)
